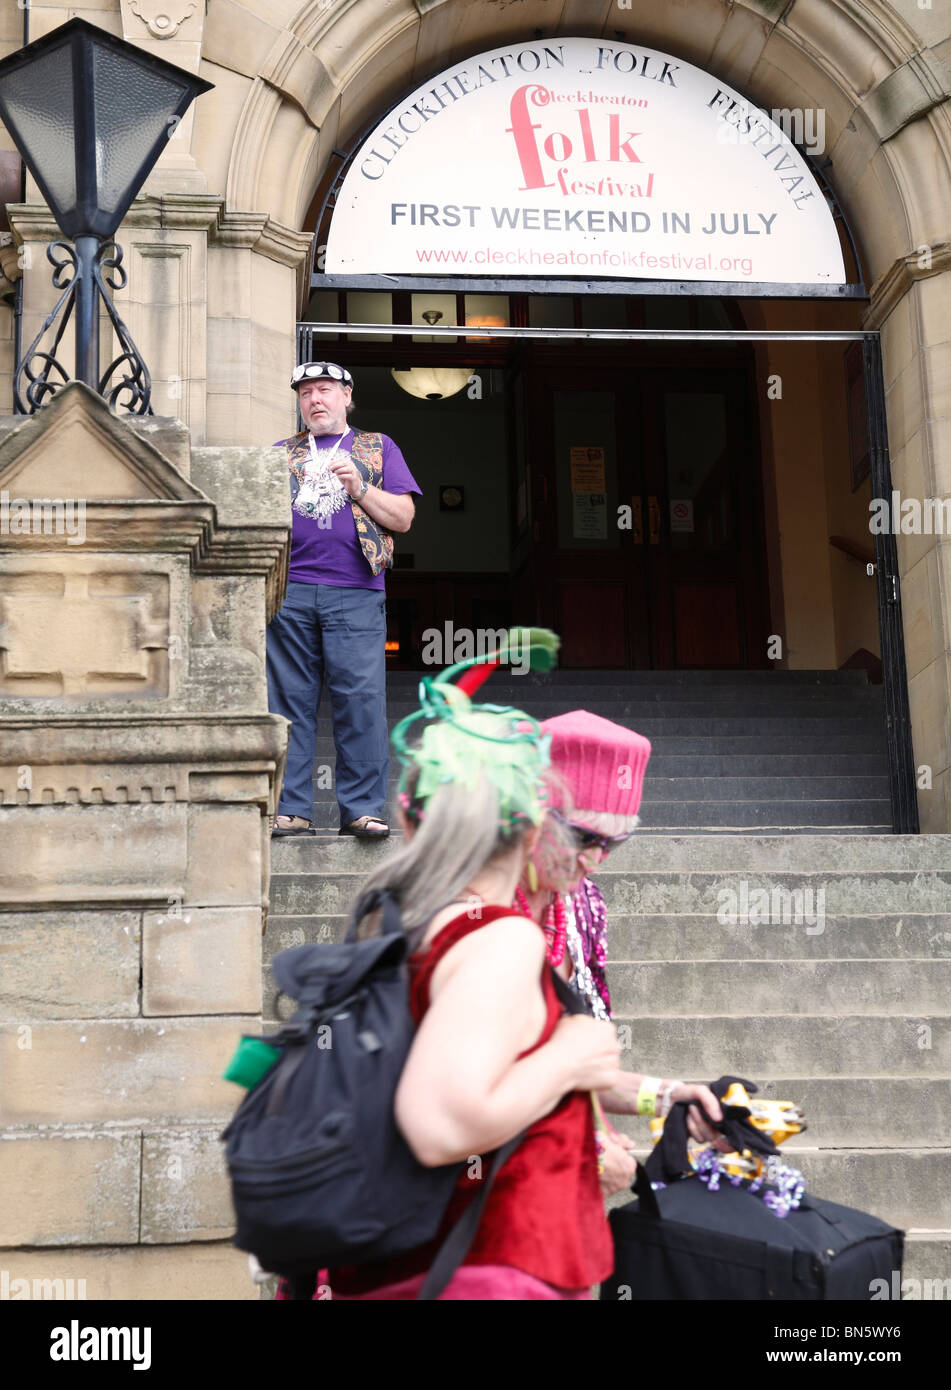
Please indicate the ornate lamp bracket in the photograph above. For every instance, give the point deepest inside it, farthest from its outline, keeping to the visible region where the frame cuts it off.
(82, 271)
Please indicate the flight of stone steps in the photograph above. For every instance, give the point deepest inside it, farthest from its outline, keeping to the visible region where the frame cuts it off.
(847, 1013)
(731, 750)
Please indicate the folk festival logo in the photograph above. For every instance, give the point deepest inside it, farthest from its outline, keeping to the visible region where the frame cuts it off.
(592, 138)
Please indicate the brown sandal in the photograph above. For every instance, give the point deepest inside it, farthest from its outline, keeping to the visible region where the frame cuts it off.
(293, 825)
(361, 828)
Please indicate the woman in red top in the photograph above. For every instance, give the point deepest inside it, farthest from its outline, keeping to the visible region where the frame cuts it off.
(493, 1053)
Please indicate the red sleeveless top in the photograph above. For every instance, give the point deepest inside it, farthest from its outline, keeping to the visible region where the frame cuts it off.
(545, 1213)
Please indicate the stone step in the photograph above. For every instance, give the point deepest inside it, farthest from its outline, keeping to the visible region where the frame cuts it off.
(686, 937)
(502, 679)
(735, 789)
(905, 1188)
(675, 855)
(926, 1273)
(847, 1045)
(776, 816)
(315, 891)
(776, 768)
(852, 827)
(867, 1113)
(577, 695)
(806, 715)
(780, 988)
(862, 893)
(728, 747)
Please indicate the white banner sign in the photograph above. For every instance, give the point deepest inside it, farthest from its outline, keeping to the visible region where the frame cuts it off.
(579, 157)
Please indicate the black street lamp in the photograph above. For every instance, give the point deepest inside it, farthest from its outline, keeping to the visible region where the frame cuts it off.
(90, 114)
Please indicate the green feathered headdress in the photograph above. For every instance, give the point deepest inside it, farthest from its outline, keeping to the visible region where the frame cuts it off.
(463, 741)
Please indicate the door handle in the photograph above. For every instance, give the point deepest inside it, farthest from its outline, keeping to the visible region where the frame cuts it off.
(653, 520)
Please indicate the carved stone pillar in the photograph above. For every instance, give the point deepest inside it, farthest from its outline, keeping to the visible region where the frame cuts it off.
(138, 766)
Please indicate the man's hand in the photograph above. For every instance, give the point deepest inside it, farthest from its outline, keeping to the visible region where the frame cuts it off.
(393, 511)
(348, 475)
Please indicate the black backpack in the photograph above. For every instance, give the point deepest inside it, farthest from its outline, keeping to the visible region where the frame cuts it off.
(320, 1173)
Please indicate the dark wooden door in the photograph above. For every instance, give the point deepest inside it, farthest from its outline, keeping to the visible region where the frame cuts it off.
(647, 519)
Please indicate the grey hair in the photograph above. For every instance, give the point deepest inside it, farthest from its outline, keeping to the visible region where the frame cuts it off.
(460, 833)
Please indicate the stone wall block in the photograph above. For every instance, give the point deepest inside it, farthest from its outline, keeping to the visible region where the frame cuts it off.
(911, 477)
(229, 358)
(185, 1190)
(229, 277)
(905, 405)
(202, 961)
(76, 854)
(922, 610)
(844, 46)
(140, 1274)
(69, 965)
(224, 856)
(931, 723)
(91, 627)
(938, 433)
(236, 38)
(69, 1189)
(145, 1071)
(229, 417)
(907, 92)
(934, 308)
(899, 339)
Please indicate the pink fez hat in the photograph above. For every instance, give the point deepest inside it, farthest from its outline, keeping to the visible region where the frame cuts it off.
(602, 763)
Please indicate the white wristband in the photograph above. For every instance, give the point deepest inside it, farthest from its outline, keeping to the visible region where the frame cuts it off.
(665, 1099)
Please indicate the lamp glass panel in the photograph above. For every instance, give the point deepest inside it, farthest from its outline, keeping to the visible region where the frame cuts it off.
(38, 105)
(133, 106)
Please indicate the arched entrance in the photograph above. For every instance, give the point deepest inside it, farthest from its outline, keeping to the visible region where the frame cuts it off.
(627, 459)
(882, 100)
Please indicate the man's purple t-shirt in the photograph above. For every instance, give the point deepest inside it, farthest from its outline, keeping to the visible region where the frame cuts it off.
(332, 555)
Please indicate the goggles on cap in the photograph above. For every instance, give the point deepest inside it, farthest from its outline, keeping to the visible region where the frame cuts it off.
(311, 371)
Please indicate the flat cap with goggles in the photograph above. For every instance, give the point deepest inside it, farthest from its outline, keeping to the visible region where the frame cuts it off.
(313, 371)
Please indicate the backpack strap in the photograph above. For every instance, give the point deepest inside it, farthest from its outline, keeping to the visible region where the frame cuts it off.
(455, 1247)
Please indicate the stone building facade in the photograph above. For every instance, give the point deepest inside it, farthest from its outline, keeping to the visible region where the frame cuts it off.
(145, 845)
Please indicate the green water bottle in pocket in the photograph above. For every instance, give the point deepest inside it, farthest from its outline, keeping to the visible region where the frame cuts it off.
(252, 1060)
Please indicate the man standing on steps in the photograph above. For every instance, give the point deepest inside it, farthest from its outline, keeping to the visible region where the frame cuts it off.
(350, 492)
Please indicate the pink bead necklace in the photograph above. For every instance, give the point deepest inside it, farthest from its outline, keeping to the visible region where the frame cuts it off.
(555, 925)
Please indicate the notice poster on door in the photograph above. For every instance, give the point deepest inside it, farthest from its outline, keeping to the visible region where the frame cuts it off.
(681, 514)
(589, 516)
(587, 469)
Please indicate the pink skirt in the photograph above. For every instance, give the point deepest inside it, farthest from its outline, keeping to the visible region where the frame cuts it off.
(470, 1283)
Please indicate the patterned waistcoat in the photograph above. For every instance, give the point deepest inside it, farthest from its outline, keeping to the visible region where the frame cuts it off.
(367, 453)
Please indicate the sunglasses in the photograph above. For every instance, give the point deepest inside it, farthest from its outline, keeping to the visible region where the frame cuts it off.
(586, 840)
